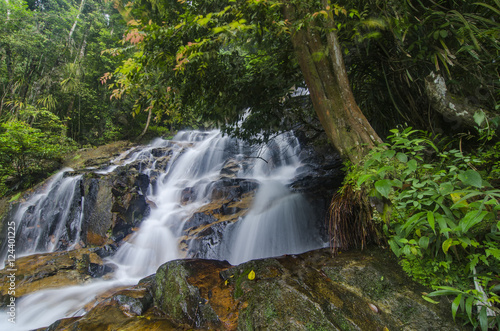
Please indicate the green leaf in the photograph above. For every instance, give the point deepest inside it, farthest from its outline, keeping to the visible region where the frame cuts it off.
(445, 188)
(402, 157)
(363, 179)
(383, 186)
(483, 319)
(479, 118)
(395, 247)
(444, 290)
(443, 226)
(468, 307)
(412, 165)
(389, 153)
(376, 156)
(430, 219)
(455, 305)
(423, 242)
(472, 218)
(471, 178)
(426, 298)
(447, 244)
(396, 183)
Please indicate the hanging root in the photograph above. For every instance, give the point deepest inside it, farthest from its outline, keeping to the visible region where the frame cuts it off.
(350, 223)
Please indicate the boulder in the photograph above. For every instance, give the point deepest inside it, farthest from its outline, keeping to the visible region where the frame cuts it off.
(52, 270)
(126, 309)
(312, 291)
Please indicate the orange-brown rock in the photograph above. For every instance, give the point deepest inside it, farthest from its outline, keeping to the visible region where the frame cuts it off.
(50, 270)
(312, 291)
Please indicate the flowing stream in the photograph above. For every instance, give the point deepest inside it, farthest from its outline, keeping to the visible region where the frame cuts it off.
(279, 221)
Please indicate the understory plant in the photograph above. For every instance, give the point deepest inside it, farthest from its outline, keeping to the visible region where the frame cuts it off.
(440, 214)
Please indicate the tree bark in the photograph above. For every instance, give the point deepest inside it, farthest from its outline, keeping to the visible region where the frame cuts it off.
(322, 65)
(76, 21)
(456, 110)
(147, 124)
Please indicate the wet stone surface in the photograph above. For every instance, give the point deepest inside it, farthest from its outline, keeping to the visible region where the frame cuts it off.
(312, 291)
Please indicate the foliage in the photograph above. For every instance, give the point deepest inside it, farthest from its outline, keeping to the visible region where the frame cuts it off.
(392, 46)
(199, 63)
(212, 60)
(50, 58)
(441, 216)
(27, 151)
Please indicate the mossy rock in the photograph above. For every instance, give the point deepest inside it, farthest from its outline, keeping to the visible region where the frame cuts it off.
(179, 298)
(312, 291)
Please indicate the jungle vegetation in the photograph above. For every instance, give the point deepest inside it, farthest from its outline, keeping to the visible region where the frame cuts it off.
(423, 73)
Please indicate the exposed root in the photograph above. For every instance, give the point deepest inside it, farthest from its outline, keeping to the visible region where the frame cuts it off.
(350, 223)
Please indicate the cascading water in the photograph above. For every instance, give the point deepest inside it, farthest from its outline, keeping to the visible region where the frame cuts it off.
(49, 220)
(279, 221)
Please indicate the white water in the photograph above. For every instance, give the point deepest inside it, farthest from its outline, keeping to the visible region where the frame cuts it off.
(41, 220)
(279, 221)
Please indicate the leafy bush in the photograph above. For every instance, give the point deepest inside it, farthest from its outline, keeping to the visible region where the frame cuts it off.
(441, 218)
(27, 152)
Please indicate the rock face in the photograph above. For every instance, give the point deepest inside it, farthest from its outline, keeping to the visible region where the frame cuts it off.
(52, 270)
(311, 291)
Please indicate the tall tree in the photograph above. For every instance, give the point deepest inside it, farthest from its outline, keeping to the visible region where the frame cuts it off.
(235, 43)
(321, 60)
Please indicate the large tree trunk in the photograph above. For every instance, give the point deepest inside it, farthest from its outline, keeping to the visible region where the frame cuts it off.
(322, 65)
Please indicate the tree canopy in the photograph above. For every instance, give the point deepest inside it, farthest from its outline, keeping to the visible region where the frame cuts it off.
(210, 61)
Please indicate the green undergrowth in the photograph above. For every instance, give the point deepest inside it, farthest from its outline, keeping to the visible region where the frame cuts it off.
(439, 208)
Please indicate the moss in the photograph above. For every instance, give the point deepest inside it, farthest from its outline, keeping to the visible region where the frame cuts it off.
(180, 300)
(15, 197)
(238, 290)
(270, 313)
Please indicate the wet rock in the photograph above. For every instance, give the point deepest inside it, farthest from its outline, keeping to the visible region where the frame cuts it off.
(203, 232)
(97, 217)
(312, 291)
(188, 195)
(106, 250)
(96, 270)
(208, 243)
(127, 309)
(231, 168)
(176, 292)
(316, 291)
(53, 270)
(321, 173)
(228, 189)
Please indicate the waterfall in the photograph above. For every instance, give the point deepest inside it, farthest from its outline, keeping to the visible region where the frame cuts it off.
(279, 221)
(47, 221)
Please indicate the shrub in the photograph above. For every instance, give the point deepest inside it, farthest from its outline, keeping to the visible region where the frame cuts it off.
(27, 152)
(440, 216)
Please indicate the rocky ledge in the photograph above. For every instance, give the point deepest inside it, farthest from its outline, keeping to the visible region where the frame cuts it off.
(312, 291)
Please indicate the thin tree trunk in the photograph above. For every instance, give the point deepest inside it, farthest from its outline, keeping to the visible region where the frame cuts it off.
(147, 124)
(326, 78)
(76, 21)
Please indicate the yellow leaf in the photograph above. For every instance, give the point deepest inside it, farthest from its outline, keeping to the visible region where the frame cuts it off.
(251, 275)
(225, 283)
(455, 197)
